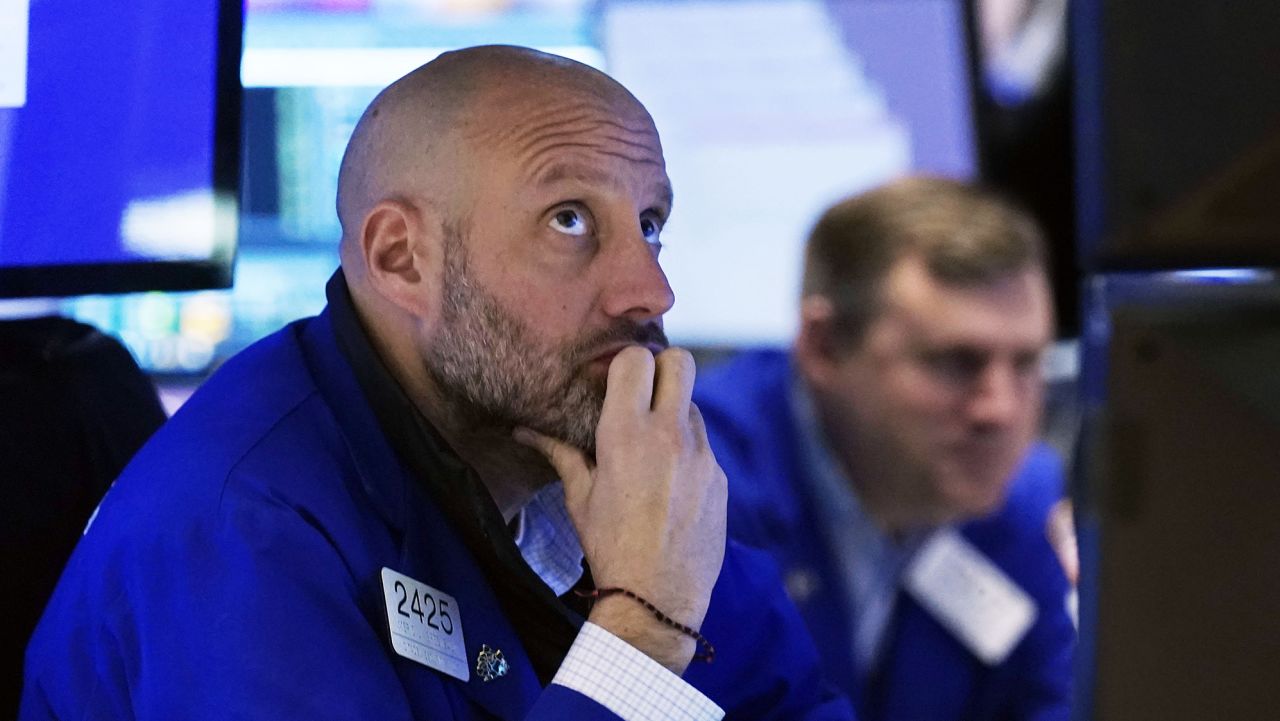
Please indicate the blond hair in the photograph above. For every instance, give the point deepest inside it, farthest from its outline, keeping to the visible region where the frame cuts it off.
(965, 235)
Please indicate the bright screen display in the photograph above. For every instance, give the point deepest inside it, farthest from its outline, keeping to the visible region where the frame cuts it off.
(770, 111)
(115, 172)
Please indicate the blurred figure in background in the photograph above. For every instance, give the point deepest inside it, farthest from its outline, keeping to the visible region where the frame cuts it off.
(74, 408)
(890, 462)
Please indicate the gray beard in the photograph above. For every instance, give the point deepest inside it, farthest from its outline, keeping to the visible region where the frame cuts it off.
(493, 375)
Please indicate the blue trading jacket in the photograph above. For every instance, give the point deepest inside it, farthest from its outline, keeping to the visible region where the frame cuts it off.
(234, 572)
(925, 672)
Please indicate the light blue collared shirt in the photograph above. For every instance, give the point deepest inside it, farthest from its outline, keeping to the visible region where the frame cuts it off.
(548, 541)
(870, 564)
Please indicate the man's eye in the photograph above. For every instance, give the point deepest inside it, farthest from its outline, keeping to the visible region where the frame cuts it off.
(956, 365)
(651, 229)
(569, 221)
(1029, 364)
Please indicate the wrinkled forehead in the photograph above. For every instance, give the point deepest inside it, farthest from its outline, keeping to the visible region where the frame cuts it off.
(535, 123)
(1011, 308)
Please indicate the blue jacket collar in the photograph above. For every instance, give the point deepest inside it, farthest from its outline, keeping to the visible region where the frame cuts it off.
(400, 456)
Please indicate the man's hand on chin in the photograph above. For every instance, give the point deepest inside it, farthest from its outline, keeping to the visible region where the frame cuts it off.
(650, 511)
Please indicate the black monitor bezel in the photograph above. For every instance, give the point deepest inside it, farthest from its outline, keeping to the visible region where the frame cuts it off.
(166, 275)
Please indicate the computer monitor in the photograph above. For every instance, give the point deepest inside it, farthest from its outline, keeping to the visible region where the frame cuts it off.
(770, 111)
(1177, 498)
(860, 91)
(119, 145)
(1177, 151)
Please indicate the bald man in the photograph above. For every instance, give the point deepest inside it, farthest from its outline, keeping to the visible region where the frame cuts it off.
(474, 487)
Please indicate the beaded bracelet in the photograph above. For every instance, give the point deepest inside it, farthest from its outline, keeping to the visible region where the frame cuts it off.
(709, 655)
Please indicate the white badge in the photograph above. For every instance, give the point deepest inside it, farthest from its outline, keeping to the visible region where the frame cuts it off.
(426, 625)
(970, 596)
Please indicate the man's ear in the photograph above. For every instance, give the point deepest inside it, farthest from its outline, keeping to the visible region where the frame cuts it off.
(403, 251)
(815, 351)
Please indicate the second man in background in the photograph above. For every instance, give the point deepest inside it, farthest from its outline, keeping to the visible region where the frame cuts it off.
(889, 461)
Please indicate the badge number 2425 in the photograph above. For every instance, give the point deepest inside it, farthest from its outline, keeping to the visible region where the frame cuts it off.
(425, 624)
(436, 617)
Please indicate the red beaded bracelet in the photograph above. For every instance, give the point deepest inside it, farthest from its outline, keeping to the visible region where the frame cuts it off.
(710, 653)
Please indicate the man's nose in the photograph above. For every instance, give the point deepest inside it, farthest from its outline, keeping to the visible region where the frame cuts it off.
(998, 397)
(635, 285)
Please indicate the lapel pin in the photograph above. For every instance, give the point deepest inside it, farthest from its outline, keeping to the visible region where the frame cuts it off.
(490, 664)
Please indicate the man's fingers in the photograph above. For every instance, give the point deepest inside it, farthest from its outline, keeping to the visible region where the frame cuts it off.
(674, 372)
(570, 463)
(630, 388)
(698, 427)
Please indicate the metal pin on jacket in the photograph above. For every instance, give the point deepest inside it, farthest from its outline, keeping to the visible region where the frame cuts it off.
(490, 664)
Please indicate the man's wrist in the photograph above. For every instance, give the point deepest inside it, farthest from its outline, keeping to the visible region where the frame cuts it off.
(634, 624)
(623, 679)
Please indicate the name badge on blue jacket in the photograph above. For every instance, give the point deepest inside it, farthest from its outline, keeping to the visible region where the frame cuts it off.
(426, 624)
(969, 595)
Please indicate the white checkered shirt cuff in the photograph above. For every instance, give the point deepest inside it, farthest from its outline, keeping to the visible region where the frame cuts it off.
(620, 677)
